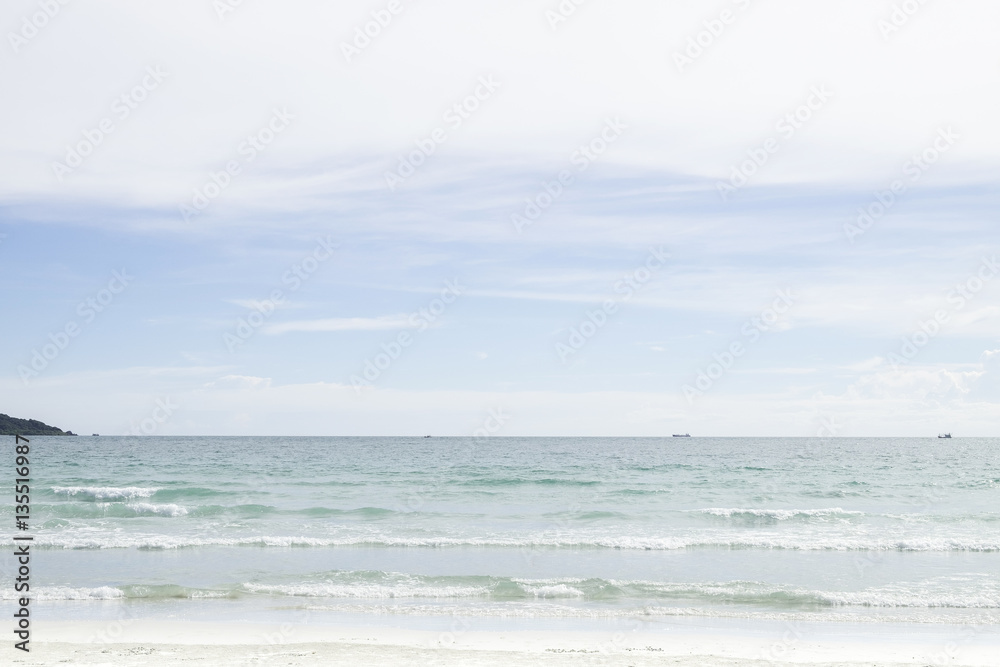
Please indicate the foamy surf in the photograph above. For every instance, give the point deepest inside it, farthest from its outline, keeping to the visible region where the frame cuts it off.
(728, 527)
(104, 492)
(168, 509)
(637, 595)
(873, 543)
(780, 514)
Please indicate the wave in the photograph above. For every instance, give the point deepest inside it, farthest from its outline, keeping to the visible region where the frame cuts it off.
(100, 502)
(70, 593)
(359, 512)
(553, 591)
(194, 492)
(159, 510)
(62, 515)
(105, 492)
(591, 515)
(519, 481)
(775, 515)
(368, 590)
(133, 592)
(639, 596)
(880, 543)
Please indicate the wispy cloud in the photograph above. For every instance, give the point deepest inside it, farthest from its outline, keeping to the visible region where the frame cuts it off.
(866, 365)
(234, 270)
(385, 322)
(256, 304)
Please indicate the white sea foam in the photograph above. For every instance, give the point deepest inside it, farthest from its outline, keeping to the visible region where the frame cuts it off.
(368, 590)
(984, 596)
(650, 613)
(161, 510)
(549, 582)
(198, 595)
(637, 597)
(554, 591)
(66, 593)
(105, 492)
(923, 595)
(809, 542)
(778, 514)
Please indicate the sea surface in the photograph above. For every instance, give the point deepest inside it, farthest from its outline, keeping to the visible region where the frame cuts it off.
(534, 532)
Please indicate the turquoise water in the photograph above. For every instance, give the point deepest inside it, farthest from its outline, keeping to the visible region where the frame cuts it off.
(887, 530)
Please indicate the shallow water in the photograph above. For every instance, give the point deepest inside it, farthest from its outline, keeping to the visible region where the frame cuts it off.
(859, 530)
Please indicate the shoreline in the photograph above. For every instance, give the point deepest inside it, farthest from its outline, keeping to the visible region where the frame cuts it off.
(156, 642)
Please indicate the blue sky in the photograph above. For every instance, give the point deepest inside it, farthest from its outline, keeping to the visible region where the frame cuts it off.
(559, 325)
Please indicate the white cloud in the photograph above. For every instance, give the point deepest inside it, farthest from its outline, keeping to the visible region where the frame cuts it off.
(238, 382)
(557, 88)
(262, 306)
(382, 323)
(353, 121)
(774, 371)
(987, 385)
(915, 384)
(866, 365)
(910, 402)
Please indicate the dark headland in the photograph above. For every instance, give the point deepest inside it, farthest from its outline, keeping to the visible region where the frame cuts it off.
(14, 426)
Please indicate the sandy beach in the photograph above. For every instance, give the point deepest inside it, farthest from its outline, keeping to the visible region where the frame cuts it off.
(169, 643)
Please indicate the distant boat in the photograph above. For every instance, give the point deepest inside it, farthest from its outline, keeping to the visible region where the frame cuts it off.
(682, 435)
(427, 436)
(944, 435)
(95, 434)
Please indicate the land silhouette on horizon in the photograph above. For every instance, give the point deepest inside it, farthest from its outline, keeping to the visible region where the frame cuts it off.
(14, 426)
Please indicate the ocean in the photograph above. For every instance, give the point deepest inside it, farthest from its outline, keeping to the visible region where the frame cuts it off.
(515, 532)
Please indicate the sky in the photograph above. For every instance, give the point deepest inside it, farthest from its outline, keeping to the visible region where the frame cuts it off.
(501, 218)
